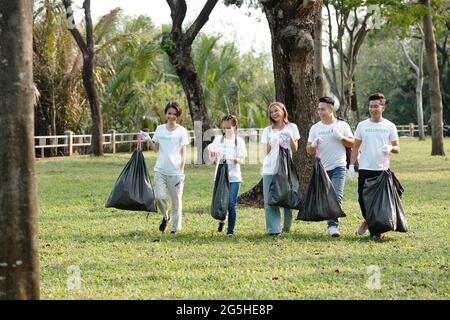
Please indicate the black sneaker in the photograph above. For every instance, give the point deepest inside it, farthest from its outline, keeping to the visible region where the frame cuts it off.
(274, 235)
(163, 225)
(220, 226)
(172, 232)
(377, 237)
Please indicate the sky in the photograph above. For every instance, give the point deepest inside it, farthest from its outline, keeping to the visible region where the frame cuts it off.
(249, 32)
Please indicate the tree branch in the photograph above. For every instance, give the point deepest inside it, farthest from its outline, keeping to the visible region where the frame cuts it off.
(178, 13)
(330, 44)
(89, 27)
(360, 35)
(408, 58)
(171, 4)
(333, 86)
(73, 29)
(202, 18)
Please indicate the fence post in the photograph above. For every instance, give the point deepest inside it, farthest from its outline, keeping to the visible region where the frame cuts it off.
(198, 141)
(42, 142)
(411, 129)
(113, 140)
(69, 135)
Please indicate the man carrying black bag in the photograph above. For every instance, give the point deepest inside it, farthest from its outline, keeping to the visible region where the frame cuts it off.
(377, 137)
(334, 136)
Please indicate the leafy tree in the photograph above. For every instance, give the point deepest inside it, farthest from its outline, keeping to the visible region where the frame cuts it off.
(88, 52)
(291, 24)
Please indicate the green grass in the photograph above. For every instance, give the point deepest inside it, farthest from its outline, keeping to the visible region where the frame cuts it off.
(121, 255)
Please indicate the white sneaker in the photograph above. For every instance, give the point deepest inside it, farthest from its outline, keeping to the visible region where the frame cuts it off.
(333, 231)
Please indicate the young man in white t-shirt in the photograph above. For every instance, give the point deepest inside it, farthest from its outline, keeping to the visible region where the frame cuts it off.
(377, 138)
(331, 136)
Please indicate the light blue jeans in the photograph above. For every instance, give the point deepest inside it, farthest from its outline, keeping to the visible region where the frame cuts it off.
(337, 177)
(273, 214)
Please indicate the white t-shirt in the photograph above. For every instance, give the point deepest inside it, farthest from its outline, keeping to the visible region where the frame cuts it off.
(331, 150)
(168, 161)
(373, 136)
(229, 151)
(272, 137)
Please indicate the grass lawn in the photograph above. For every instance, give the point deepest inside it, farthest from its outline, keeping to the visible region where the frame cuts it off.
(122, 255)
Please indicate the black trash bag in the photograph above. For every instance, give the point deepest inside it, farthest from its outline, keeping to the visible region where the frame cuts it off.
(221, 193)
(284, 188)
(133, 189)
(321, 202)
(382, 201)
(402, 224)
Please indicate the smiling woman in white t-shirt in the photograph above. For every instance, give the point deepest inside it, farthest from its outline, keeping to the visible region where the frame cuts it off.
(169, 141)
(231, 148)
(284, 133)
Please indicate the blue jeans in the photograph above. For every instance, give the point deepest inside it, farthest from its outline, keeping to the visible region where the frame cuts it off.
(273, 215)
(234, 190)
(337, 177)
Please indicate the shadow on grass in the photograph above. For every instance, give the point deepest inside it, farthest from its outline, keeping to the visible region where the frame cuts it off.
(213, 237)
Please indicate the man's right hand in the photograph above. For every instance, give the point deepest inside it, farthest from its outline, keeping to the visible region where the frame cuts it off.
(351, 172)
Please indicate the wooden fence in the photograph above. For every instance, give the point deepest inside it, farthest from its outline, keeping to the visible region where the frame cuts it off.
(69, 142)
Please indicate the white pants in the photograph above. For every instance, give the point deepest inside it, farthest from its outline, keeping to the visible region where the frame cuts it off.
(162, 184)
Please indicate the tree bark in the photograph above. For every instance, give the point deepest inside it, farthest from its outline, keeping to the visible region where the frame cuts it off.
(88, 51)
(437, 144)
(19, 264)
(318, 60)
(291, 25)
(178, 47)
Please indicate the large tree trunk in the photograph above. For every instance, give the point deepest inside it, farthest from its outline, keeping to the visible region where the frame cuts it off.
(437, 144)
(182, 61)
(178, 46)
(291, 26)
(87, 49)
(96, 116)
(19, 265)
